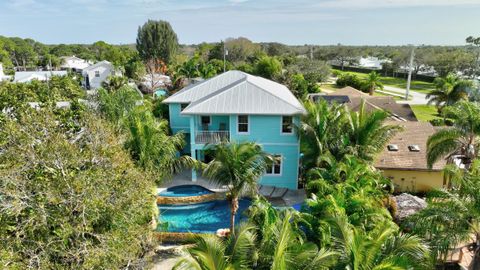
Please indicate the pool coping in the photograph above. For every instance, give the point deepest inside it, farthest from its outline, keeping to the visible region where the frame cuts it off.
(191, 199)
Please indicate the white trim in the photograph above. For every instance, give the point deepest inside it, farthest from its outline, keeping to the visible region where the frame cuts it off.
(281, 126)
(273, 174)
(279, 144)
(248, 124)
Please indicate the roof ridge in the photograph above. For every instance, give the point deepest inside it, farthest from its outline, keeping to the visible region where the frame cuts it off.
(270, 93)
(213, 94)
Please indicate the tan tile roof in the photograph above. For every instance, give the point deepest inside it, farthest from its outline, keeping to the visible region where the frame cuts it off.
(414, 133)
(388, 103)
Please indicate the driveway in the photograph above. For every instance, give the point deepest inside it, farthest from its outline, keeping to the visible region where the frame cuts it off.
(417, 98)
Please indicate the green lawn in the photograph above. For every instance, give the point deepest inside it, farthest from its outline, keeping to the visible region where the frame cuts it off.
(425, 112)
(419, 86)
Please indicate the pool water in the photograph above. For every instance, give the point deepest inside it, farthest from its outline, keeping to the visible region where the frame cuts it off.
(185, 191)
(205, 217)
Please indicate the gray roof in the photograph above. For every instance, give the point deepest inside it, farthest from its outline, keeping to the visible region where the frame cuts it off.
(236, 92)
(26, 76)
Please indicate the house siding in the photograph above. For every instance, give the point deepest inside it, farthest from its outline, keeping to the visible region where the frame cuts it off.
(414, 180)
(263, 129)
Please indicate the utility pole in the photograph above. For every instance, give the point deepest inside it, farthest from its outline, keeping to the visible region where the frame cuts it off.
(410, 68)
(225, 53)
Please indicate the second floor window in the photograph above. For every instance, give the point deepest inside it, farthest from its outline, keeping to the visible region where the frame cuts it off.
(97, 73)
(183, 106)
(205, 120)
(243, 124)
(287, 124)
(276, 167)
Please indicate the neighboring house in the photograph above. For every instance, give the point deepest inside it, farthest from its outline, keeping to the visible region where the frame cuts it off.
(95, 75)
(28, 76)
(404, 159)
(371, 62)
(353, 98)
(74, 63)
(4, 77)
(236, 106)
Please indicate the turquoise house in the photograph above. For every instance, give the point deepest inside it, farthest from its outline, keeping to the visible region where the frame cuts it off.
(237, 106)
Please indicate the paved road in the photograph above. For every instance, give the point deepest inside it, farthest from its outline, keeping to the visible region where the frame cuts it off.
(417, 98)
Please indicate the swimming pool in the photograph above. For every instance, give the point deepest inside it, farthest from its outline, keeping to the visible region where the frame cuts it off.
(205, 217)
(185, 191)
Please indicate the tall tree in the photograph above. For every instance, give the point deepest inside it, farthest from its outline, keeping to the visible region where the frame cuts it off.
(449, 90)
(157, 40)
(459, 141)
(238, 166)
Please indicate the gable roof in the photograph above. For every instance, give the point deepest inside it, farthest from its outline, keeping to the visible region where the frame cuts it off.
(26, 76)
(349, 91)
(414, 133)
(101, 63)
(236, 92)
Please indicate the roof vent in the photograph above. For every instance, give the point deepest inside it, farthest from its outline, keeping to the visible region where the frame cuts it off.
(392, 147)
(414, 148)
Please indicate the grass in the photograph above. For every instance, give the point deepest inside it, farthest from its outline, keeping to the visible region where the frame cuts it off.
(425, 112)
(419, 86)
(331, 87)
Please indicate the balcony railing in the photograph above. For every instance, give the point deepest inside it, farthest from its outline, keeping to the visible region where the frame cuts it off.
(211, 136)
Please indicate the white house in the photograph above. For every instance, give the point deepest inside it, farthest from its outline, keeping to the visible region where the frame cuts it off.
(371, 62)
(74, 63)
(28, 76)
(94, 75)
(3, 77)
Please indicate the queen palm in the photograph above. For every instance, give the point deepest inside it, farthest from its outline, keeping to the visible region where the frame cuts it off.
(459, 141)
(238, 166)
(449, 90)
(368, 132)
(373, 82)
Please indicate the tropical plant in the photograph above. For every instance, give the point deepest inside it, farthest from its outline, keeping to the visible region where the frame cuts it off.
(270, 241)
(113, 83)
(268, 67)
(372, 82)
(452, 216)
(449, 90)
(459, 141)
(368, 132)
(71, 196)
(238, 166)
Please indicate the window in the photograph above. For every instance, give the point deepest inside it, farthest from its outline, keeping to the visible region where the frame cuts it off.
(97, 73)
(243, 124)
(183, 106)
(205, 120)
(414, 148)
(287, 124)
(276, 167)
(392, 147)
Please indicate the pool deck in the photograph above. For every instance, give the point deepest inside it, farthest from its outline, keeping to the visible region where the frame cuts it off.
(290, 198)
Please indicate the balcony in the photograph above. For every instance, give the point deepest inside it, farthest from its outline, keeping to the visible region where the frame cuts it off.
(211, 137)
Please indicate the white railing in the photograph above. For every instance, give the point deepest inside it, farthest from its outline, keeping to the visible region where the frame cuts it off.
(211, 136)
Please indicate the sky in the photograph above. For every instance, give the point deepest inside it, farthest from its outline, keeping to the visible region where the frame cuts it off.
(322, 22)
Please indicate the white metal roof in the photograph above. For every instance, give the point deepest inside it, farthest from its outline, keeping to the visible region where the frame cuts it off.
(26, 76)
(236, 92)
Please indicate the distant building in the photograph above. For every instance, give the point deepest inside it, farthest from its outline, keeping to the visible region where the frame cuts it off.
(74, 63)
(404, 160)
(95, 75)
(371, 62)
(28, 76)
(353, 98)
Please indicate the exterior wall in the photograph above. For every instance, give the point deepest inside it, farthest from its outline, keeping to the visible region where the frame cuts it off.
(264, 130)
(415, 181)
(96, 82)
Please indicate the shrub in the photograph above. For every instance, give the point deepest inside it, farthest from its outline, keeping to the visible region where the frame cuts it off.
(349, 79)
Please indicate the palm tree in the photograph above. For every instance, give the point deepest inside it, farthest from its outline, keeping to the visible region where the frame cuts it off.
(237, 166)
(384, 247)
(461, 140)
(321, 132)
(271, 242)
(452, 216)
(373, 82)
(368, 132)
(449, 90)
(113, 83)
